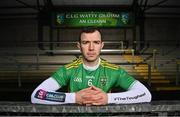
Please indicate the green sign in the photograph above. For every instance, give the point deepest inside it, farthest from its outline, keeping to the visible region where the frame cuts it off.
(98, 19)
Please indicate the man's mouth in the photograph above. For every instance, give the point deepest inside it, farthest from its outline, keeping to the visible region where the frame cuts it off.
(91, 54)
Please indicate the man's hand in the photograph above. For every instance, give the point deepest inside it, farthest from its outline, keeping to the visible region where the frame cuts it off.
(101, 98)
(91, 96)
(84, 95)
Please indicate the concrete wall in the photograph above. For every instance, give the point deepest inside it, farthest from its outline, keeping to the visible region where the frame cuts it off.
(12, 30)
(162, 29)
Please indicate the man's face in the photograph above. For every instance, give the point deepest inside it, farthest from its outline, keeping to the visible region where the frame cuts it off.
(90, 46)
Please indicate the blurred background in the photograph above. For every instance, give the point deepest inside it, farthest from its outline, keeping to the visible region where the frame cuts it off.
(33, 44)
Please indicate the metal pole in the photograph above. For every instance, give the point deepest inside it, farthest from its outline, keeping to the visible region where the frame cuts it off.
(132, 59)
(122, 45)
(132, 50)
(149, 75)
(177, 73)
(154, 59)
(37, 59)
(19, 75)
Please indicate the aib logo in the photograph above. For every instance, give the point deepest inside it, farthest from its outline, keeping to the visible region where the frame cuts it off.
(41, 94)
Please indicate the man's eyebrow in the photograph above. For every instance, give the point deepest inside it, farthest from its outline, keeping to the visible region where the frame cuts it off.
(92, 41)
(97, 41)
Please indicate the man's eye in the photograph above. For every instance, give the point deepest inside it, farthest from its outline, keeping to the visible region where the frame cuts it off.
(84, 42)
(97, 42)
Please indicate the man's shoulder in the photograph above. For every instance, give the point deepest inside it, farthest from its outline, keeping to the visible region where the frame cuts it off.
(74, 64)
(106, 64)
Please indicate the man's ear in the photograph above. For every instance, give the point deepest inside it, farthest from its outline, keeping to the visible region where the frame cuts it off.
(78, 45)
(102, 45)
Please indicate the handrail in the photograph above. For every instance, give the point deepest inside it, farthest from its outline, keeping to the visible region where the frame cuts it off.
(20, 68)
(121, 43)
(157, 41)
(78, 52)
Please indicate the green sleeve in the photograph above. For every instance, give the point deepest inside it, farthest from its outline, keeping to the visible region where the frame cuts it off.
(124, 80)
(61, 76)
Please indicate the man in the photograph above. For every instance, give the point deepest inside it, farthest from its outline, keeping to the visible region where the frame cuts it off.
(90, 78)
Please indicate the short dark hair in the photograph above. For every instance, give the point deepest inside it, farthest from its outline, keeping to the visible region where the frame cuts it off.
(89, 29)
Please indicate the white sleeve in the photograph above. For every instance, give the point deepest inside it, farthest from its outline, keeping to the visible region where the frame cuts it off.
(137, 93)
(51, 85)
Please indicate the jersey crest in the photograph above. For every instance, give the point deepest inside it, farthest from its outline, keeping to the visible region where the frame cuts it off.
(103, 80)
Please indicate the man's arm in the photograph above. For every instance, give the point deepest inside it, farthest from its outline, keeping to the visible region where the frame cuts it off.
(46, 93)
(137, 93)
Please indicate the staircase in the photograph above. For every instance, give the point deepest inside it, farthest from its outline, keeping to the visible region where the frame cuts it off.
(159, 81)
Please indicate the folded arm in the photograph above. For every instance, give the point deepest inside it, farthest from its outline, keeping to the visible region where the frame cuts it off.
(138, 93)
(50, 86)
(46, 93)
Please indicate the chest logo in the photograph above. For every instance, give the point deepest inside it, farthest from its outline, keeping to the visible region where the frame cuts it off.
(103, 81)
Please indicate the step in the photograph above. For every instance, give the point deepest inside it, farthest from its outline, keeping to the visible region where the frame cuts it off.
(173, 88)
(152, 73)
(155, 77)
(144, 65)
(141, 68)
(160, 81)
(145, 69)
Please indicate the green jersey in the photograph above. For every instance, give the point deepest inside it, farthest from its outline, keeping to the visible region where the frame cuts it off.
(105, 77)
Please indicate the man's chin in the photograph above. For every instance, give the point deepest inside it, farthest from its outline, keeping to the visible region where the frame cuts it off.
(91, 59)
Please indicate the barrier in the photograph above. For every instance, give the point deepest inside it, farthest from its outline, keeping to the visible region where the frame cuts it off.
(155, 108)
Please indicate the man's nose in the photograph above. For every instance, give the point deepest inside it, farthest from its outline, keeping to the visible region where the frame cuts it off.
(91, 46)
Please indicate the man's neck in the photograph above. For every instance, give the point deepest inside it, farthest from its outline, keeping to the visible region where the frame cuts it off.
(91, 65)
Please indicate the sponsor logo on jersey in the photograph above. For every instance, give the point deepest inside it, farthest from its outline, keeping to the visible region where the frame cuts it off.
(77, 79)
(58, 97)
(90, 77)
(50, 96)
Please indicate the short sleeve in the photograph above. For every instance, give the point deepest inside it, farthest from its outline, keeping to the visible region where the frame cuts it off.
(124, 80)
(61, 76)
